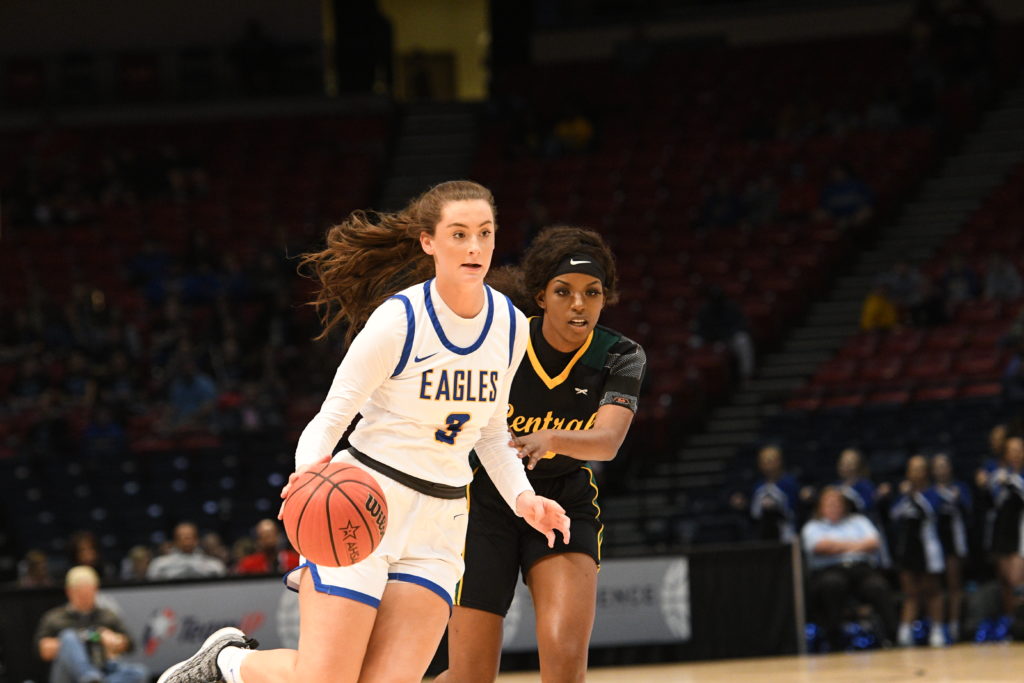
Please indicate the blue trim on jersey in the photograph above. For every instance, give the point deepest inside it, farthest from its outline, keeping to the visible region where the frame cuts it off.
(410, 330)
(511, 330)
(338, 591)
(440, 332)
(420, 581)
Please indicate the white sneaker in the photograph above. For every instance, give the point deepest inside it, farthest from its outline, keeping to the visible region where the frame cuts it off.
(904, 637)
(202, 666)
(937, 638)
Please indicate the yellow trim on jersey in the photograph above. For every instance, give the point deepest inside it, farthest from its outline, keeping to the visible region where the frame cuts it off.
(552, 382)
(600, 530)
(458, 587)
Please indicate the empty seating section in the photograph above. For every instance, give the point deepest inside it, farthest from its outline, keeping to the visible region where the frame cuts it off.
(962, 358)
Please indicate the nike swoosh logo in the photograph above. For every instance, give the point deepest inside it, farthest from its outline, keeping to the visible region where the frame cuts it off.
(576, 263)
(420, 360)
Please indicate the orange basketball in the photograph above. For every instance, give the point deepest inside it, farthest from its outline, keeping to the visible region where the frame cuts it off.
(335, 514)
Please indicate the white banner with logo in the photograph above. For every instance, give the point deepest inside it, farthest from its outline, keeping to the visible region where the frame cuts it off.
(170, 622)
(642, 601)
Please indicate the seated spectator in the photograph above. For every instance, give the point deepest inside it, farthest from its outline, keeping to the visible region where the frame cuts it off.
(721, 323)
(917, 551)
(573, 133)
(103, 440)
(193, 397)
(959, 282)
(842, 558)
(34, 571)
(271, 556)
(186, 560)
(1002, 281)
(84, 549)
(879, 313)
(721, 208)
(799, 195)
(930, 310)
(773, 503)
(761, 201)
(846, 199)
(1013, 374)
(83, 641)
(212, 544)
(906, 286)
(136, 563)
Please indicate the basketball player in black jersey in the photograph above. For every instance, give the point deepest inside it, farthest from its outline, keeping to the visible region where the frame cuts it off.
(572, 400)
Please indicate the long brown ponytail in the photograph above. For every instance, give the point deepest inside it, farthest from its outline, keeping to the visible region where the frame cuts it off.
(369, 256)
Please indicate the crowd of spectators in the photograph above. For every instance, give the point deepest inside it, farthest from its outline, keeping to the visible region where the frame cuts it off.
(54, 185)
(906, 296)
(903, 548)
(187, 554)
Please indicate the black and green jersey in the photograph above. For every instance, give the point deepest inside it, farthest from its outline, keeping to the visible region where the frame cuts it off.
(556, 390)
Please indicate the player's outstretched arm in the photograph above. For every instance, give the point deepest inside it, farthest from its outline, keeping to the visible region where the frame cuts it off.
(544, 515)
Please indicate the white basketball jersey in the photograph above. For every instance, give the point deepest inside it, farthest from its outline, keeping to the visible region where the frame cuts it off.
(449, 381)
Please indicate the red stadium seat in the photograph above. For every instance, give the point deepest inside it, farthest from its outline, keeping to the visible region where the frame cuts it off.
(943, 392)
(929, 365)
(836, 371)
(903, 342)
(979, 312)
(981, 390)
(861, 346)
(947, 339)
(881, 369)
(844, 401)
(888, 397)
(979, 363)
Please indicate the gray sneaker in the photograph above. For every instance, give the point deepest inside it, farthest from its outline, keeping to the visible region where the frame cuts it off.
(202, 666)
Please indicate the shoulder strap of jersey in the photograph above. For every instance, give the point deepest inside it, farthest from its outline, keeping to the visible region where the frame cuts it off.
(511, 329)
(604, 339)
(410, 331)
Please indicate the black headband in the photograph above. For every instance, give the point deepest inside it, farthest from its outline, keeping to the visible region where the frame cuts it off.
(579, 263)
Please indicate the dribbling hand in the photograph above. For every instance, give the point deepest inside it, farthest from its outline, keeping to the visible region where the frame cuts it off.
(544, 515)
(295, 475)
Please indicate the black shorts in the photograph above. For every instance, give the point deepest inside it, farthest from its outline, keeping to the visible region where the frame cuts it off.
(1006, 530)
(500, 545)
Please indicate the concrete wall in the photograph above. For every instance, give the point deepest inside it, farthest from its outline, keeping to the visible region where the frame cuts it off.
(32, 27)
(766, 26)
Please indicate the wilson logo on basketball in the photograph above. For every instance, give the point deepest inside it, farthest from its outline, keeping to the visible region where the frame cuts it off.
(376, 511)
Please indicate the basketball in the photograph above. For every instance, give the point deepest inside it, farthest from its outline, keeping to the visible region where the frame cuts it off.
(335, 514)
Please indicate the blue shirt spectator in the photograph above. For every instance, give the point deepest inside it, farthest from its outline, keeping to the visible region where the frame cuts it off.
(848, 540)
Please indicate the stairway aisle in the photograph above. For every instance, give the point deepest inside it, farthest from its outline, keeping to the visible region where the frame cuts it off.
(436, 142)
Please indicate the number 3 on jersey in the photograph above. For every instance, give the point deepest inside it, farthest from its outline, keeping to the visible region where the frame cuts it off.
(453, 423)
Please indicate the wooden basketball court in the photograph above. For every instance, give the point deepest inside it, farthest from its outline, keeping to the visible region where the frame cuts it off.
(966, 662)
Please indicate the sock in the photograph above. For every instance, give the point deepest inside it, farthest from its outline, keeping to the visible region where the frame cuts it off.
(905, 635)
(230, 663)
(954, 630)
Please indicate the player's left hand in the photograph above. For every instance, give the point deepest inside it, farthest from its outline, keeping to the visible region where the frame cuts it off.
(544, 515)
(530, 447)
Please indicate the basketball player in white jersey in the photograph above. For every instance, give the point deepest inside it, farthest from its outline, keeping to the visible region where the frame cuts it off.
(430, 372)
